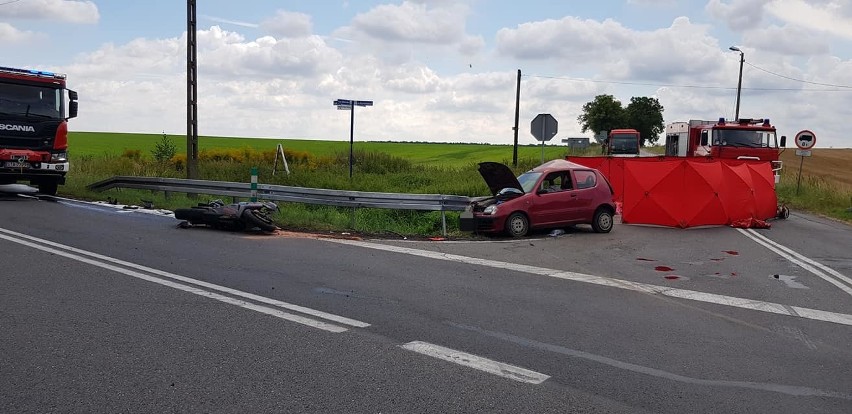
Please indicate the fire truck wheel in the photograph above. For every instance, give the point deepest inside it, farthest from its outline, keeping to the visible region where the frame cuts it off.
(517, 225)
(603, 221)
(48, 187)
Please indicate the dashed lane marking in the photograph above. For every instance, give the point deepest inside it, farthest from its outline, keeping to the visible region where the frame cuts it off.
(476, 362)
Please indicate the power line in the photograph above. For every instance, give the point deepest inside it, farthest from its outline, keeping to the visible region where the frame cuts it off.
(798, 80)
(671, 85)
(9, 2)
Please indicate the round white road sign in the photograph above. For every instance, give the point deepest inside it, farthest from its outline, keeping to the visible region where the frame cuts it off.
(805, 139)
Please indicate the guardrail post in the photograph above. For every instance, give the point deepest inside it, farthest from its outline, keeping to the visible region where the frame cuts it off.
(253, 184)
(443, 217)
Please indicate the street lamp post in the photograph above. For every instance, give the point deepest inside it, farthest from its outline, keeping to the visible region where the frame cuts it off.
(740, 81)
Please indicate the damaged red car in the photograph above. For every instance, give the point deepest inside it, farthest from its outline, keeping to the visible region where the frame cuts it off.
(557, 193)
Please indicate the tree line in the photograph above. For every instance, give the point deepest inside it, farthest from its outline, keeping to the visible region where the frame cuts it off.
(606, 113)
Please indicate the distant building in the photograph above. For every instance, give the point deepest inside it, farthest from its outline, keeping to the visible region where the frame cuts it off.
(577, 143)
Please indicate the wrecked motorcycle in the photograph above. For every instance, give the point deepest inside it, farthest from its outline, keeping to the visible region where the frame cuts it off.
(237, 216)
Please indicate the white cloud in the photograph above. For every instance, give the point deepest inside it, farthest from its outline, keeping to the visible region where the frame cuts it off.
(10, 35)
(832, 17)
(739, 15)
(569, 39)
(85, 12)
(414, 23)
(228, 54)
(787, 40)
(411, 78)
(682, 51)
(288, 24)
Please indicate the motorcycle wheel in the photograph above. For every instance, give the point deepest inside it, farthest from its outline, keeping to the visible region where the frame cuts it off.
(256, 218)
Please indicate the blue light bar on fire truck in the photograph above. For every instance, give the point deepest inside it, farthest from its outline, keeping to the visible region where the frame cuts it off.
(32, 72)
(747, 121)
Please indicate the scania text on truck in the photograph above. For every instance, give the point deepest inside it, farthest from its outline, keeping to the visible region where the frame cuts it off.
(622, 142)
(748, 139)
(34, 110)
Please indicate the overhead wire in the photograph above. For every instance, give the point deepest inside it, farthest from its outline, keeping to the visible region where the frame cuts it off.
(797, 80)
(687, 86)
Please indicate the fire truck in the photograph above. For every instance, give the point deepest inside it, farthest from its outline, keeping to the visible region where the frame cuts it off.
(34, 110)
(622, 143)
(745, 139)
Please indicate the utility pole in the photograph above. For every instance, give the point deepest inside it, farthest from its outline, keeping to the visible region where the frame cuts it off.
(191, 93)
(740, 81)
(517, 117)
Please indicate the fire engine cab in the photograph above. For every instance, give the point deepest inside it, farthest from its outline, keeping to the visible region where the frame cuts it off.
(622, 143)
(34, 110)
(744, 139)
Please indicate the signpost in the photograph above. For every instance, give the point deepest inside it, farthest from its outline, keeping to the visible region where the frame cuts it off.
(349, 104)
(543, 127)
(805, 140)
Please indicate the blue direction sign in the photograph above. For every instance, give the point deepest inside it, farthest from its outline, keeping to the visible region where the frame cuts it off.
(343, 102)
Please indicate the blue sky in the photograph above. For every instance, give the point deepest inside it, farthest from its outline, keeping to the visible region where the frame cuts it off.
(438, 70)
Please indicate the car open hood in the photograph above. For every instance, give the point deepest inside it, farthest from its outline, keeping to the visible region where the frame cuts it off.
(498, 176)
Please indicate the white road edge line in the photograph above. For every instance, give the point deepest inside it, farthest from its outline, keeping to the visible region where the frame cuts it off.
(770, 307)
(194, 290)
(476, 362)
(274, 302)
(780, 249)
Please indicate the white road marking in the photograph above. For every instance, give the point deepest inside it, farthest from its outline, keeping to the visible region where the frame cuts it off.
(476, 362)
(733, 301)
(804, 262)
(654, 372)
(791, 282)
(191, 289)
(262, 299)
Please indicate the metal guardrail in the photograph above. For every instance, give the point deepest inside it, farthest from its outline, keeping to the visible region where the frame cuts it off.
(339, 198)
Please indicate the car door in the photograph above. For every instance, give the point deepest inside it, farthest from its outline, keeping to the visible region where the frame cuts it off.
(582, 207)
(551, 201)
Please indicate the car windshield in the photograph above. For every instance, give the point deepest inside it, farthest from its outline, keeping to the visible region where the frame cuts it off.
(528, 180)
(624, 144)
(743, 138)
(30, 101)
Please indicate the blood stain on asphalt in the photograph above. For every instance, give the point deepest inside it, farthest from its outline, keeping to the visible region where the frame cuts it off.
(663, 269)
(645, 260)
(731, 252)
(672, 277)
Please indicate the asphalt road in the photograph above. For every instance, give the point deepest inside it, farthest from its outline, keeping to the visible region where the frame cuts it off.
(103, 310)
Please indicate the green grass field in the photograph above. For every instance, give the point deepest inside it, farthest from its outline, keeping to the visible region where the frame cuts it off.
(432, 154)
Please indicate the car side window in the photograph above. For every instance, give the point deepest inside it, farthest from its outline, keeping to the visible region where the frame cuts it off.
(555, 182)
(585, 179)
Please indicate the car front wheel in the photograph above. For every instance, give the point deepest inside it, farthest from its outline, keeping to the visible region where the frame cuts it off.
(603, 221)
(517, 225)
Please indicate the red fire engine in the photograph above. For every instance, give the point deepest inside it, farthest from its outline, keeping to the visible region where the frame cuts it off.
(622, 142)
(34, 110)
(748, 139)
